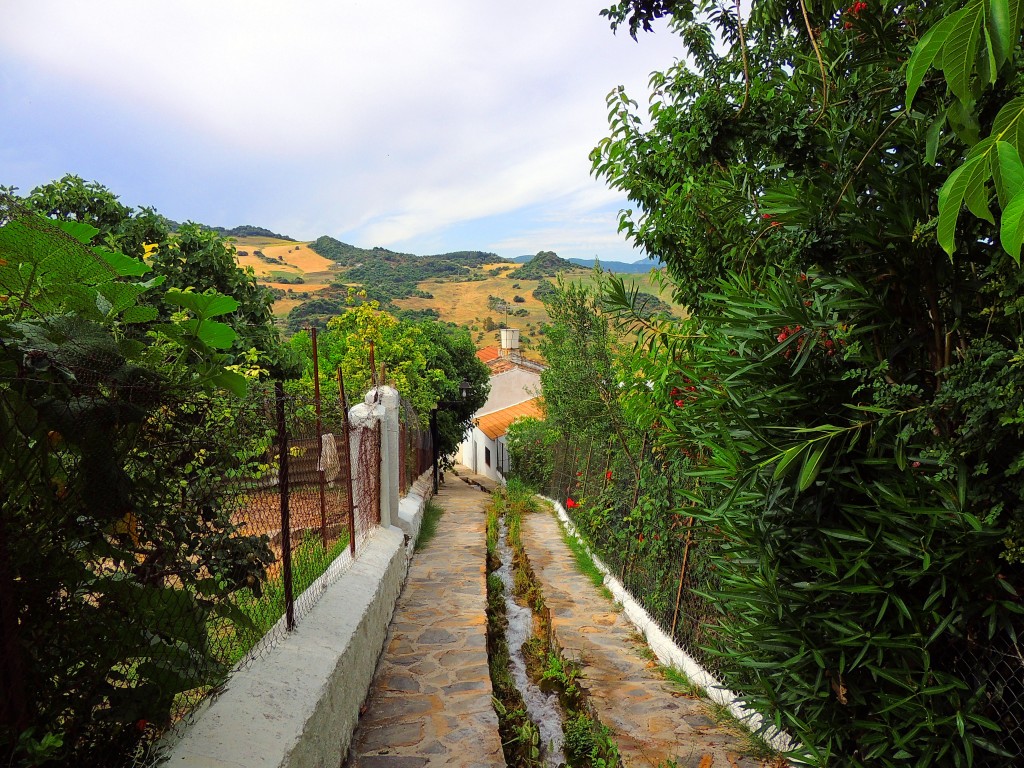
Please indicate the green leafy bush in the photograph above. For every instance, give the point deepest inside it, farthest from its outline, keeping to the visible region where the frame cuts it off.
(530, 442)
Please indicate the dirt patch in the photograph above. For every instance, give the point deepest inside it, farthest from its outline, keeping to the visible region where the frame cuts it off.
(299, 255)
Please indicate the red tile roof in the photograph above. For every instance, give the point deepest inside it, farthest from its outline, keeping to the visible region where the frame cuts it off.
(494, 425)
(487, 354)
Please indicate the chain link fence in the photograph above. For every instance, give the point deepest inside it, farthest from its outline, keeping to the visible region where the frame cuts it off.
(153, 539)
(628, 509)
(631, 510)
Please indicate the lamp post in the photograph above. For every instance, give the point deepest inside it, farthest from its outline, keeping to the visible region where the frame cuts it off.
(464, 389)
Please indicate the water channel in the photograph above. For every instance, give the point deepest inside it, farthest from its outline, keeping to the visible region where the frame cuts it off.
(542, 708)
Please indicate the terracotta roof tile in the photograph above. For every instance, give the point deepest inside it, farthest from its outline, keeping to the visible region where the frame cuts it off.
(500, 366)
(494, 425)
(487, 354)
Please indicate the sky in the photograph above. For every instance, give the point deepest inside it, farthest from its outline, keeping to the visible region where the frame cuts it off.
(423, 127)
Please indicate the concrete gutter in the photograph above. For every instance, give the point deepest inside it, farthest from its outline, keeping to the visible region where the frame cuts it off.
(298, 704)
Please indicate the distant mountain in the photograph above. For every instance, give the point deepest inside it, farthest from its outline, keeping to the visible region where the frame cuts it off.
(248, 230)
(349, 255)
(639, 267)
(645, 265)
(245, 230)
(469, 258)
(544, 264)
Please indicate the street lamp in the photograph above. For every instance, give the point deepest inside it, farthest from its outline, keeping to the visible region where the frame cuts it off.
(464, 389)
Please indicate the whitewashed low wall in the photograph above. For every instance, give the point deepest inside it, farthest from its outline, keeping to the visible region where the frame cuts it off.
(298, 704)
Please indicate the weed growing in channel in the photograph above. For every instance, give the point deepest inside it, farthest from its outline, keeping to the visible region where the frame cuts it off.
(428, 529)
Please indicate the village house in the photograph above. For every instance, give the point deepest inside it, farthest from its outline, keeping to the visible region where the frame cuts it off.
(515, 392)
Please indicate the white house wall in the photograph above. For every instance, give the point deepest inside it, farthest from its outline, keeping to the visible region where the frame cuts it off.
(472, 453)
(510, 388)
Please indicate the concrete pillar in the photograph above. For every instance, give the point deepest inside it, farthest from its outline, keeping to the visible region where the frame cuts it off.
(388, 399)
(360, 416)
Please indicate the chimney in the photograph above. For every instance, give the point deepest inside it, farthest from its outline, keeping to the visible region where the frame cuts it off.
(509, 341)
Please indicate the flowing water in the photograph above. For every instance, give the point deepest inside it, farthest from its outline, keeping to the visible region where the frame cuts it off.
(542, 708)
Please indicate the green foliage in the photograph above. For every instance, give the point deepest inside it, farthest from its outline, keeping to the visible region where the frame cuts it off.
(530, 442)
(544, 264)
(589, 743)
(428, 529)
(115, 532)
(426, 362)
(266, 605)
(580, 383)
(544, 292)
(839, 418)
(199, 260)
(562, 671)
(118, 226)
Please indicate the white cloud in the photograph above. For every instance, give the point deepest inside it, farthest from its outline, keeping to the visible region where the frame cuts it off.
(392, 121)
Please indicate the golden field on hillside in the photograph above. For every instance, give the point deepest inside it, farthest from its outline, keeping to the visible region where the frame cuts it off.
(462, 303)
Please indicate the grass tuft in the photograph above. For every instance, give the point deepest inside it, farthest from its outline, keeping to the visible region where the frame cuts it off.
(685, 685)
(584, 563)
(431, 517)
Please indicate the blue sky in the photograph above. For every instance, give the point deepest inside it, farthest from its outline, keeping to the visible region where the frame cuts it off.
(425, 127)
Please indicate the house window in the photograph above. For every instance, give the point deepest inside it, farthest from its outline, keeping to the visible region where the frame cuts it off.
(487, 456)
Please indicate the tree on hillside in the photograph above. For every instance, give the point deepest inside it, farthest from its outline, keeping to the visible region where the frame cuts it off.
(194, 258)
(846, 388)
(426, 362)
(121, 227)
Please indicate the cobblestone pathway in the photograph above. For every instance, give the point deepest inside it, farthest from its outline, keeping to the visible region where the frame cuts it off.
(430, 702)
(651, 722)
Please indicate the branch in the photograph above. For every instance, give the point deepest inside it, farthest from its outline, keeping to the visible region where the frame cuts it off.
(821, 62)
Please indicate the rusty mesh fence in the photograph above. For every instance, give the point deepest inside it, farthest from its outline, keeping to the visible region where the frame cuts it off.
(415, 447)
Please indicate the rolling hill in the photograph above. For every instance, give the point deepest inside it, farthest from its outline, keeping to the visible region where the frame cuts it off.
(476, 289)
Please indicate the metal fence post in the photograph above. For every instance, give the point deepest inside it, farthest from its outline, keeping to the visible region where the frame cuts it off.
(627, 558)
(321, 478)
(586, 472)
(346, 467)
(286, 533)
(682, 574)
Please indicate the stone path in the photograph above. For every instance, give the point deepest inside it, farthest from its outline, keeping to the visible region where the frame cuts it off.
(652, 723)
(430, 702)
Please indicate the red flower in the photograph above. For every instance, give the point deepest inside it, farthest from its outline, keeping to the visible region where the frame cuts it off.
(767, 215)
(580, 473)
(140, 725)
(608, 475)
(680, 403)
(640, 538)
(570, 504)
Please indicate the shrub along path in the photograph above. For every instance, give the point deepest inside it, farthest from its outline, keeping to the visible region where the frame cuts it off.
(430, 701)
(651, 722)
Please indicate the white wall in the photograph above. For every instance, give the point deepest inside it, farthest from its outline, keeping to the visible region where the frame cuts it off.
(510, 388)
(472, 453)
